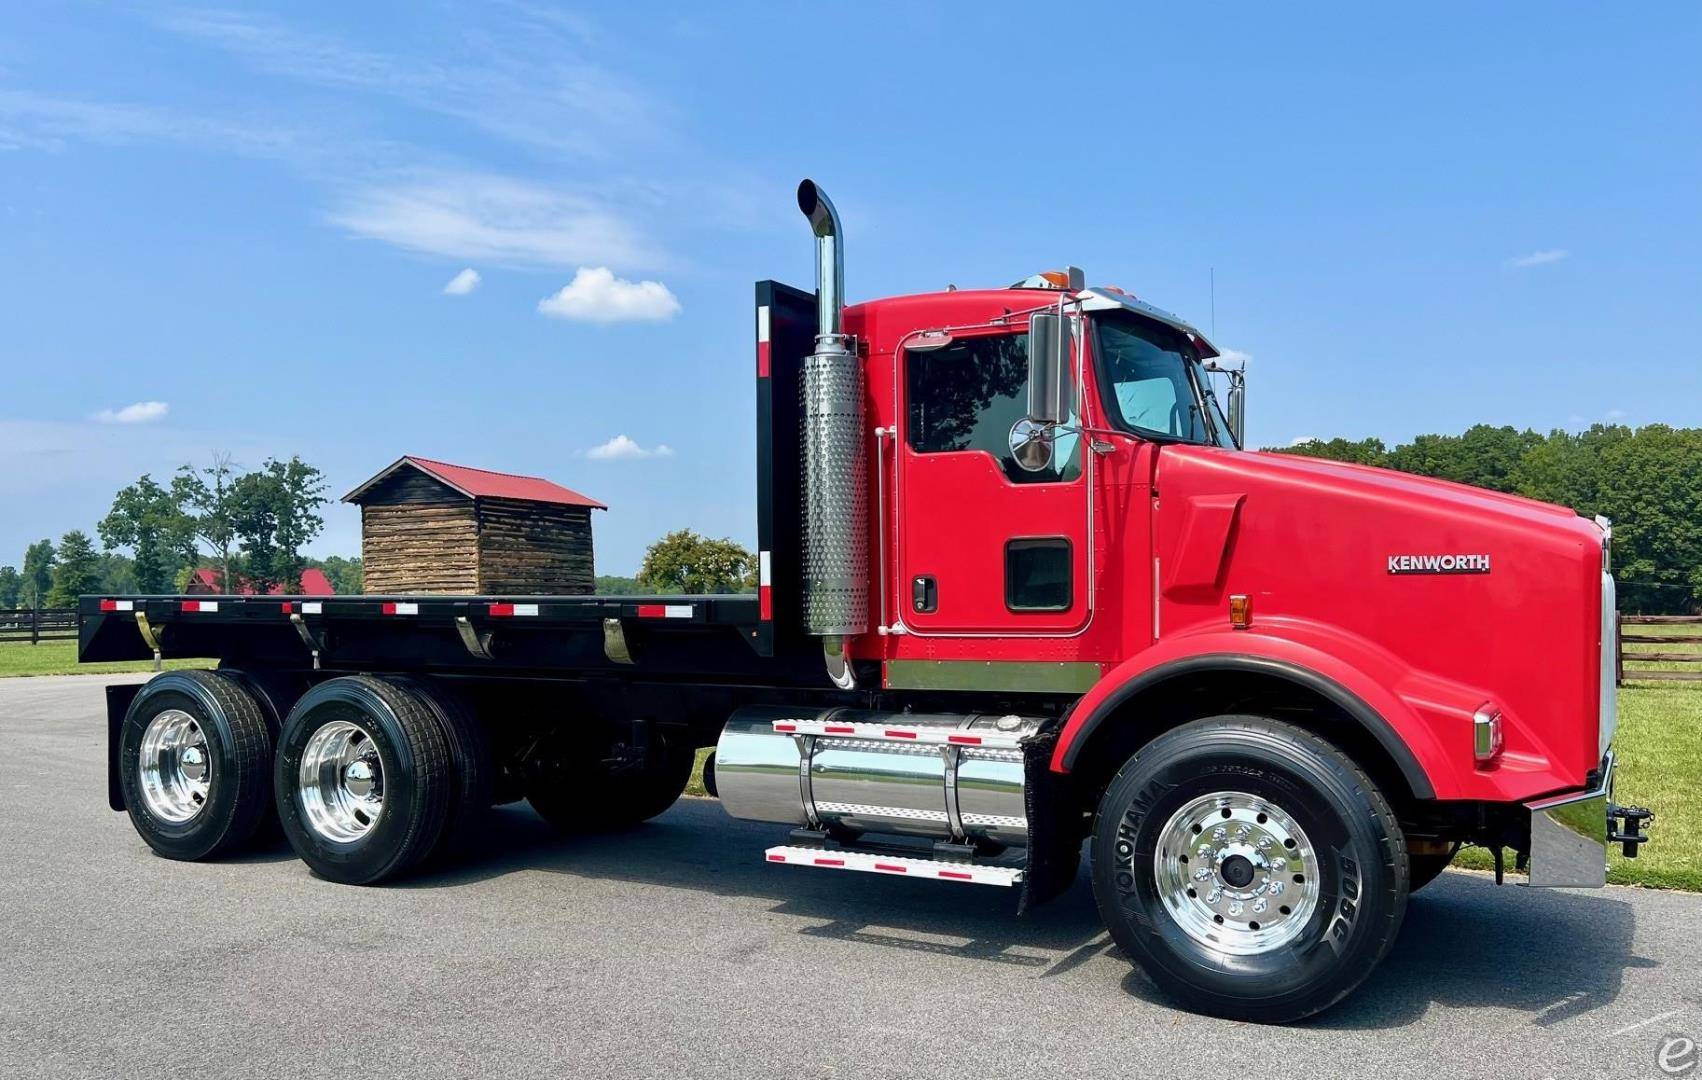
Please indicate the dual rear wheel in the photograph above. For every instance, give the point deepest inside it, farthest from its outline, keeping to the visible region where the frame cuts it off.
(368, 777)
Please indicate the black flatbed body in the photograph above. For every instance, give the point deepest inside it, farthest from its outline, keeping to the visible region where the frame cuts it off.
(720, 638)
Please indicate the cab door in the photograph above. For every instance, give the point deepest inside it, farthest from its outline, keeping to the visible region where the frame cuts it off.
(984, 545)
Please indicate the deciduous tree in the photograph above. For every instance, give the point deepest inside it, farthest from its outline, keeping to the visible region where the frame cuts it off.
(203, 496)
(685, 562)
(275, 512)
(147, 519)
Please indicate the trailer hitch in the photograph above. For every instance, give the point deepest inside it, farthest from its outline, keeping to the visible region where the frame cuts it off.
(1625, 826)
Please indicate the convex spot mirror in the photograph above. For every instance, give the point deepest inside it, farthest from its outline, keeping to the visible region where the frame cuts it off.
(1031, 445)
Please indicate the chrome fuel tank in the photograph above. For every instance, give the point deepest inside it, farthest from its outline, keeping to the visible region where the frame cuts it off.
(878, 772)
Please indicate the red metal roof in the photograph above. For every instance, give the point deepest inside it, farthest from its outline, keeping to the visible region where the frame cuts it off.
(483, 483)
(206, 581)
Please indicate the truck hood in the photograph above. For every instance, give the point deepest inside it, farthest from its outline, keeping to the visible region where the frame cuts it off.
(1467, 595)
(1390, 483)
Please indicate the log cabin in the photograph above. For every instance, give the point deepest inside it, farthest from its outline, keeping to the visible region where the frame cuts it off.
(432, 527)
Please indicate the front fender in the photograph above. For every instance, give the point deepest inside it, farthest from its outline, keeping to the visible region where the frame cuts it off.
(1421, 721)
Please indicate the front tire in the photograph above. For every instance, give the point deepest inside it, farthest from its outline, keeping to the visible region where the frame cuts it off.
(195, 756)
(363, 779)
(1250, 868)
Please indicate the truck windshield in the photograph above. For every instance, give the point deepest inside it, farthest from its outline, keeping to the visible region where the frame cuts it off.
(1153, 381)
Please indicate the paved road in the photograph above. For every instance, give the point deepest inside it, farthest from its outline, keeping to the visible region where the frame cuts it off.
(673, 950)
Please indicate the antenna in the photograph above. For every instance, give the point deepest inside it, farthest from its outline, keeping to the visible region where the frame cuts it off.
(1213, 272)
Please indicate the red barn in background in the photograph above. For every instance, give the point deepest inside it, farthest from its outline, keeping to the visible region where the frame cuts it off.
(205, 581)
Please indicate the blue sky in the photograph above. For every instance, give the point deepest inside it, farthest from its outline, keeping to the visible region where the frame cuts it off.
(1418, 219)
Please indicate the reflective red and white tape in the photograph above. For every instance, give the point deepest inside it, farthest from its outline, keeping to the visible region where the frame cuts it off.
(664, 611)
(929, 869)
(930, 736)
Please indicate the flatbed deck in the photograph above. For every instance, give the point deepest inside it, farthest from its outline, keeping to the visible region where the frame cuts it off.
(672, 637)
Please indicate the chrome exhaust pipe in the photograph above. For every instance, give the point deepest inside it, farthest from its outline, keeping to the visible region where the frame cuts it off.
(830, 256)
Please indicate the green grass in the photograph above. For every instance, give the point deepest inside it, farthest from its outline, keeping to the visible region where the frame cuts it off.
(694, 786)
(60, 658)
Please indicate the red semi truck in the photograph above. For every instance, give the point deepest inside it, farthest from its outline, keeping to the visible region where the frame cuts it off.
(1022, 592)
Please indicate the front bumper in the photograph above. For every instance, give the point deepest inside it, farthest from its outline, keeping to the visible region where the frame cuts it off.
(1570, 834)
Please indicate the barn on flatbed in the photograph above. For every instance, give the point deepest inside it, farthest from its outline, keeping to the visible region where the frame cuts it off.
(432, 527)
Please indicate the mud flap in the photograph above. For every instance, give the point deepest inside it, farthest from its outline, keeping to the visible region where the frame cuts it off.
(1054, 828)
(118, 699)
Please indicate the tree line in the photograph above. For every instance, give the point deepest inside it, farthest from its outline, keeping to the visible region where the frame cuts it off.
(1647, 480)
(247, 527)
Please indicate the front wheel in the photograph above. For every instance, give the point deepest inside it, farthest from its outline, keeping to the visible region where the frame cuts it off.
(1249, 867)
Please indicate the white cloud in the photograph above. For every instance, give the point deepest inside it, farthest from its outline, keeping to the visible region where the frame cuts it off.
(1232, 358)
(463, 283)
(41, 122)
(142, 412)
(621, 448)
(526, 76)
(1537, 258)
(1302, 440)
(1614, 416)
(596, 295)
(484, 218)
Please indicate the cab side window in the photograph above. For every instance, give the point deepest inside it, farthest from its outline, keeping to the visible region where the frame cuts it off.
(968, 394)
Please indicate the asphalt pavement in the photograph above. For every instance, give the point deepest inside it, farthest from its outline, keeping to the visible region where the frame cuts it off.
(674, 950)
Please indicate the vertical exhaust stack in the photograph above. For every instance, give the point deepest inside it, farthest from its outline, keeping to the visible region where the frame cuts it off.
(836, 544)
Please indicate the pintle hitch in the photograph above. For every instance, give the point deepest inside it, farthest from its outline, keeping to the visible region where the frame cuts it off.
(1625, 827)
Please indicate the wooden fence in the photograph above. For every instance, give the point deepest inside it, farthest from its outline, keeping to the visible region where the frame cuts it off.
(43, 624)
(1669, 637)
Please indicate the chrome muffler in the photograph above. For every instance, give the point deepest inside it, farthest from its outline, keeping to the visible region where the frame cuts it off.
(952, 777)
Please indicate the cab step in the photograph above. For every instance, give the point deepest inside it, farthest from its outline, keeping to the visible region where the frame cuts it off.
(898, 866)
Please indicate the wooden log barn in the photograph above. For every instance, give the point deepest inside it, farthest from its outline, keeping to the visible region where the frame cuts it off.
(431, 527)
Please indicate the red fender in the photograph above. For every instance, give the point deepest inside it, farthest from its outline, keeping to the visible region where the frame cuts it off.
(1422, 721)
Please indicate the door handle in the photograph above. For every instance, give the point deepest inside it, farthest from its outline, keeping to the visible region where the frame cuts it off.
(924, 594)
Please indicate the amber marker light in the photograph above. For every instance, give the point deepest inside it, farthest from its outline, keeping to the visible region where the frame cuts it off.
(1240, 611)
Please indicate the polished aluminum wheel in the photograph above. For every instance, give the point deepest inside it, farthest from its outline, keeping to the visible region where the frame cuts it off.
(1236, 873)
(175, 765)
(341, 782)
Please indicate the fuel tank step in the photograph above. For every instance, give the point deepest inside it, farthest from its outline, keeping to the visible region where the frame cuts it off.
(931, 869)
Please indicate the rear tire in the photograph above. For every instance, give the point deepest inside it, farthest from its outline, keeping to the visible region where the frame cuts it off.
(364, 779)
(195, 760)
(472, 773)
(1250, 868)
(578, 794)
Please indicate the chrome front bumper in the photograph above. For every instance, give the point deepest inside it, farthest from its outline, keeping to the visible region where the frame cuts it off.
(1570, 834)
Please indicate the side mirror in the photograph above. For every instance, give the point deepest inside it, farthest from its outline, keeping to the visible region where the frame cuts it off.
(1238, 410)
(1051, 376)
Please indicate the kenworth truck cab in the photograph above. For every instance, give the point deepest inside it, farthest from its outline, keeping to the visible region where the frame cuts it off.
(1021, 593)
